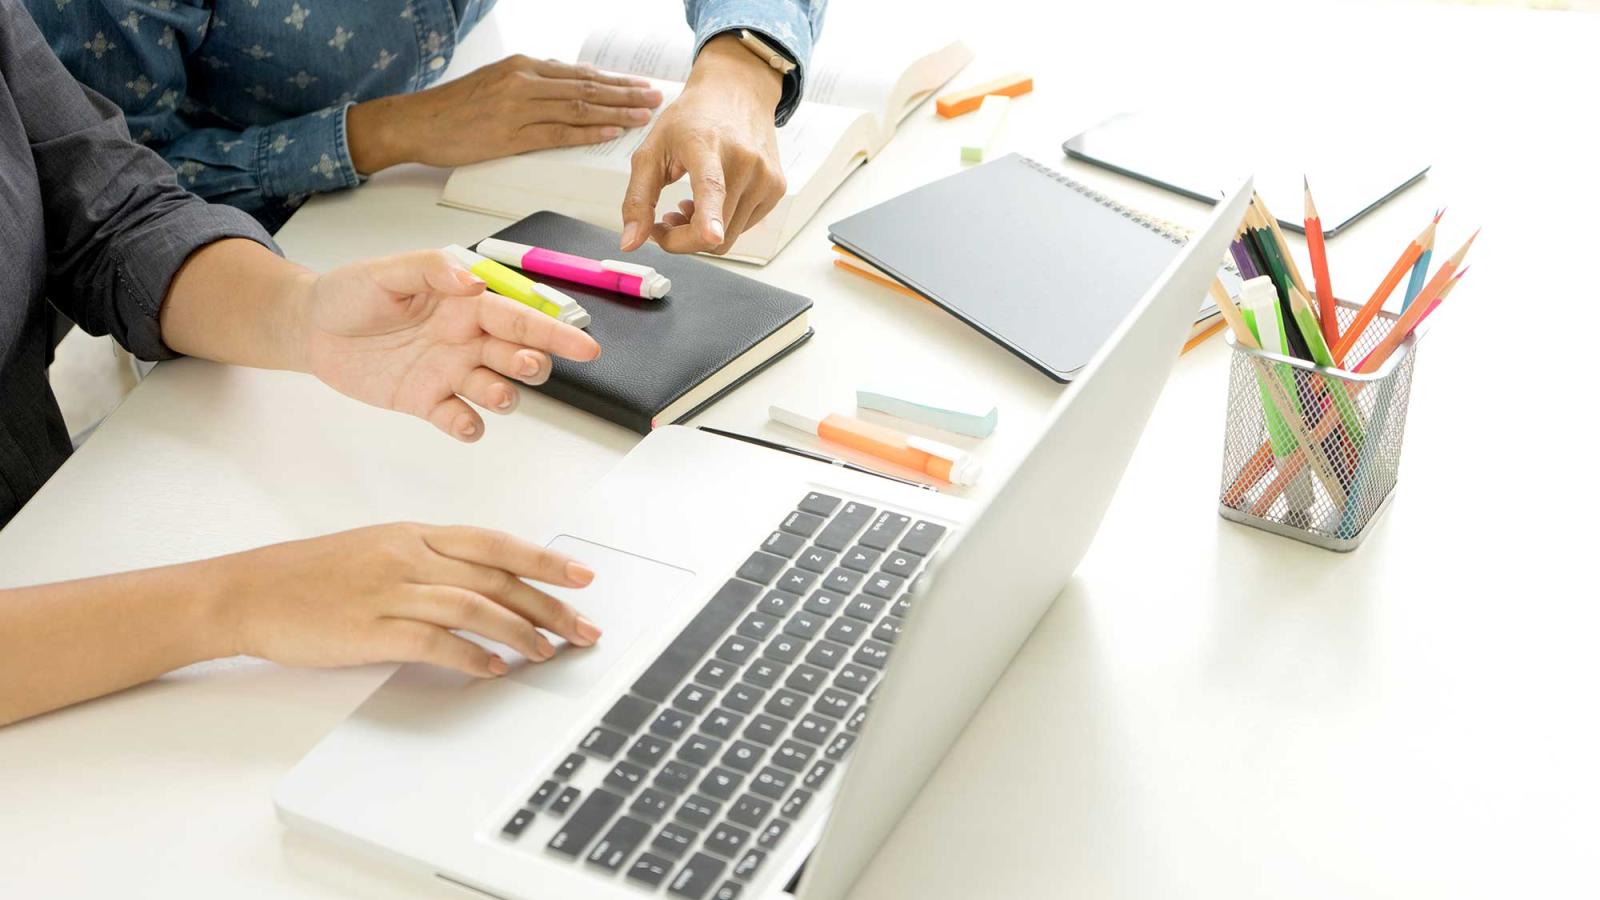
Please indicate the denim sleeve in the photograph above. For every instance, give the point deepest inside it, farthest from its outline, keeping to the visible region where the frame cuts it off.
(137, 53)
(792, 25)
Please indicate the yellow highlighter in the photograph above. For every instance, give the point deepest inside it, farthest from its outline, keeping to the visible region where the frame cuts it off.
(510, 283)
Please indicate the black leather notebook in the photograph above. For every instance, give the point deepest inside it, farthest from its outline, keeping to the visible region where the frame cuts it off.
(1044, 266)
(663, 361)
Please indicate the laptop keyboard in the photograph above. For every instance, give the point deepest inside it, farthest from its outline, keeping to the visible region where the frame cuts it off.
(722, 742)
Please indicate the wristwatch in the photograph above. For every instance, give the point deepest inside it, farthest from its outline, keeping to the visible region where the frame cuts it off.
(765, 52)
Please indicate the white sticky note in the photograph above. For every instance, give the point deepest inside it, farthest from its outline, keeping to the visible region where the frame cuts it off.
(959, 414)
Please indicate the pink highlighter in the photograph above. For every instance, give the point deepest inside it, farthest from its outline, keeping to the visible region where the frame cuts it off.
(606, 274)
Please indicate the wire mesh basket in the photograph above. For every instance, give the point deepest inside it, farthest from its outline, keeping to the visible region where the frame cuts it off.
(1313, 453)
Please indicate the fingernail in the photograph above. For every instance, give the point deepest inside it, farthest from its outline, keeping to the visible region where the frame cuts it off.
(653, 96)
(587, 632)
(506, 400)
(716, 230)
(468, 279)
(498, 666)
(639, 115)
(467, 428)
(542, 649)
(530, 366)
(629, 232)
(579, 573)
(610, 131)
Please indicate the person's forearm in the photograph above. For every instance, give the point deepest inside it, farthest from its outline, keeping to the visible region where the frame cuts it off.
(728, 66)
(234, 301)
(64, 643)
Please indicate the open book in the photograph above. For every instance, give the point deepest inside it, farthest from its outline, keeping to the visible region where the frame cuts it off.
(856, 94)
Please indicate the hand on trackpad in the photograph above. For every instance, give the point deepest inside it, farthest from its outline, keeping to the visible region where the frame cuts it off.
(630, 596)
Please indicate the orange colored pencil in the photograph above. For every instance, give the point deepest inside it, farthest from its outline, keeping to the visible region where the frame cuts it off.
(1319, 271)
(1425, 303)
(1369, 311)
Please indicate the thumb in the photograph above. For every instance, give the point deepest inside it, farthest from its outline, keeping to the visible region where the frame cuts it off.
(423, 271)
(643, 193)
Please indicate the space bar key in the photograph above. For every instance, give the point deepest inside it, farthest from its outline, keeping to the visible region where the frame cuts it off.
(690, 646)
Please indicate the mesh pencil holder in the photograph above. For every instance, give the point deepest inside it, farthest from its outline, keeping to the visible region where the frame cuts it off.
(1313, 453)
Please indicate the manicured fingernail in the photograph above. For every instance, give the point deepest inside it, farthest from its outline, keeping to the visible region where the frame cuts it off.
(610, 131)
(716, 230)
(467, 428)
(498, 666)
(587, 632)
(507, 398)
(629, 232)
(579, 573)
(530, 366)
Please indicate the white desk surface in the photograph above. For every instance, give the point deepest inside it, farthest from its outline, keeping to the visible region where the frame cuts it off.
(1208, 711)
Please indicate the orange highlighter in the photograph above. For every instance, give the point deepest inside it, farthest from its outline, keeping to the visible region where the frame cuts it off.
(932, 458)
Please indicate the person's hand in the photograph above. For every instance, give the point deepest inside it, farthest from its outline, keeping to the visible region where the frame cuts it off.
(720, 133)
(417, 333)
(394, 593)
(512, 106)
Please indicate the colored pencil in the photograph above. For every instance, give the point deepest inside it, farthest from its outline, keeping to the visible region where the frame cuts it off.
(1419, 310)
(1241, 260)
(1327, 307)
(1271, 222)
(1369, 310)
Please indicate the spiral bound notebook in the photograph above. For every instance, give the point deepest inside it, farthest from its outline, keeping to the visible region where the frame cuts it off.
(1040, 264)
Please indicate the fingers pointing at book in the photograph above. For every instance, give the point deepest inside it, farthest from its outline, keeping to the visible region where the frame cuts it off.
(720, 134)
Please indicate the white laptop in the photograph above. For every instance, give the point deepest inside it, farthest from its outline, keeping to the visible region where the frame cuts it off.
(789, 651)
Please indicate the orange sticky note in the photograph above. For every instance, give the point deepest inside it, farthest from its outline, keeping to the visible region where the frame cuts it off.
(956, 103)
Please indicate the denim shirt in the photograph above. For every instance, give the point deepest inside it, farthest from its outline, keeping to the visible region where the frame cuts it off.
(247, 99)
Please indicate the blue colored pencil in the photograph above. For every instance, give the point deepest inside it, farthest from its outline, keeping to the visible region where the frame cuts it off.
(1419, 269)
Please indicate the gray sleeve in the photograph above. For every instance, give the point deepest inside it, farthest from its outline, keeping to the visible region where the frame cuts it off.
(117, 224)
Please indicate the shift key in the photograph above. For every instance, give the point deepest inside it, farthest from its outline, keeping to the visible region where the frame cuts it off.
(581, 827)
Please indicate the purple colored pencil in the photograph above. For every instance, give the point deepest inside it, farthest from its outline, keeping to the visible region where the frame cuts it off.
(1241, 260)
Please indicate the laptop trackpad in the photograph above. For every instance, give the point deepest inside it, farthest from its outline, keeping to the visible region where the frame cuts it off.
(630, 596)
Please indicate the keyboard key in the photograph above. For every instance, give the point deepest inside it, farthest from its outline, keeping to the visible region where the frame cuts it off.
(827, 654)
(819, 504)
(795, 805)
(772, 834)
(922, 538)
(743, 697)
(856, 720)
(902, 606)
(695, 879)
(690, 646)
(742, 755)
(585, 822)
(648, 750)
(796, 581)
(918, 584)
(569, 766)
(784, 648)
(783, 544)
(834, 702)
(764, 673)
(902, 564)
(757, 625)
(603, 742)
(884, 529)
(749, 863)
(736, 649)
(786, 703)
(772, 783)
(817, 774)
(764, 730)
(564, 801)
(720, 784)
(888, 630)
(699, 750)
(761, 567)
(778, 603)
(651, 804)
(839, 746)
(884, 585)
(860, 559)
(715, 674)
(649, 870)
(864, 608)
(542, 795)
(749, 811)
(722, 723)
(803, 625)
(693, 699)
(824, 603)
(845, 526)
(675, 777)
(842, 581)
(726, 840)
(873, 653)
(674, 840)
(618, 844)
(806, 679)
(628, 713)
(816, 559)
(698, 811)
(793, 755)
(802, 523)
(730, 890)
(518, 823)
(814, 729)
(671, 723)
(854, 678)
(846, 630)
(625, 776)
